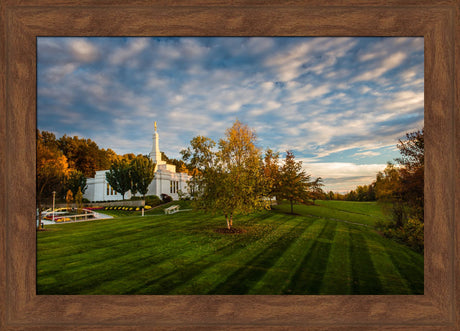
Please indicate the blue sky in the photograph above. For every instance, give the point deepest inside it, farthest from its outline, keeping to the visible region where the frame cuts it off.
(340, 104)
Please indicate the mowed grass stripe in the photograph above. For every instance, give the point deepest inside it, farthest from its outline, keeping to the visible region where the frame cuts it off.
(279, 275)
(175, 268)
(308, 277)
(122, 258)
(409, 264)
(187, 272)
(242, 280)
(91, 273)
(388, 273)
(92, 255)
(372, 209)
(337, 277)
(328, 213)
(116, 234)
(365, 279)
(212, 277)
(171, 269)
(98, 248)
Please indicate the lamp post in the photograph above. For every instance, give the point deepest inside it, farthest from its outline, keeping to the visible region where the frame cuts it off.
(54, 198)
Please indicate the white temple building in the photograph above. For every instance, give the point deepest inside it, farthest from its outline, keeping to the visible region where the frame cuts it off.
(166, 180)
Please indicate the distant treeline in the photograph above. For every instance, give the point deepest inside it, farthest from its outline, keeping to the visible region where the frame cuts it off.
(85, 155)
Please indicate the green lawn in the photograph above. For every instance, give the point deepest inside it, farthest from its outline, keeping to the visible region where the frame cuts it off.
(331, 248)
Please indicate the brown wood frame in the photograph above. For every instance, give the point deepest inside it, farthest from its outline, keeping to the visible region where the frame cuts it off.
(22, 21)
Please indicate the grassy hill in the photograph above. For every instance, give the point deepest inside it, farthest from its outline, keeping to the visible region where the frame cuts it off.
(331, 248)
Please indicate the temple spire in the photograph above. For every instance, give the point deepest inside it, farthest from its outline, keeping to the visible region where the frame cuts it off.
(155, 154)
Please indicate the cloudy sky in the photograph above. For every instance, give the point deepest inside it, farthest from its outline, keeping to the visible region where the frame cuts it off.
(340, 104)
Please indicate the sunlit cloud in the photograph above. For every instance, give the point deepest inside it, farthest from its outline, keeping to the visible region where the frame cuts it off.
(83, 50)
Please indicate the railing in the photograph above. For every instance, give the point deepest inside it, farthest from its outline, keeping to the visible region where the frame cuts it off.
(60, 218)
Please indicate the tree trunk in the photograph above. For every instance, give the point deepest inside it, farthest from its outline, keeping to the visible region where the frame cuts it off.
(39, 215)
(292, 207)
(228, 222)
(231, 220)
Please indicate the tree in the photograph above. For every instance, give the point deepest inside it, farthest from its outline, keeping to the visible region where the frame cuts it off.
(68, 199)
(52, 169)
(294, 182)
(200, 154)
(412, 150)
(316, 191)
(85, 156)
(79, 201)
(119, 176)
(142, 172)
(243, 186)
(76, 180)
(227, 181)
(201, 157)
(271, 172)
(412, 160)
(402, 187)
(388, 190)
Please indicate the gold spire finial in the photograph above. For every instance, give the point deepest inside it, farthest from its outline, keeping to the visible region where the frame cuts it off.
(155, 126)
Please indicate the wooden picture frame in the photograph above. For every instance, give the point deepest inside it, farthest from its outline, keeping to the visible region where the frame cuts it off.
(22, 21)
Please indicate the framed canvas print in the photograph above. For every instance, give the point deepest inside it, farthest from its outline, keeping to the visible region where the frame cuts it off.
(296, 198)
(216, 166)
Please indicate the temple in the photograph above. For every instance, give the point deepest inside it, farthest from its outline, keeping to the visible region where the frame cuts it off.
(166, 180)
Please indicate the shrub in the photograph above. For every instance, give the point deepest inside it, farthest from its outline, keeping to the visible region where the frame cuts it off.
(411, 233)
(166, 198)
(152, 200)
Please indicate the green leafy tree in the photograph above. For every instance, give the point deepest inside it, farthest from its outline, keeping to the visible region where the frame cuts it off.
(402, 188)
(201, 158)
(388, 190)
(294, 181)
(119, 176)
(239, 166)
(79, 201)
(76, 180)
(316, 190)
(412, 171)
(230, 180)
(142, 172)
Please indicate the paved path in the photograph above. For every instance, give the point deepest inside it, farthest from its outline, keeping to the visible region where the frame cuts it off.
(97, 216)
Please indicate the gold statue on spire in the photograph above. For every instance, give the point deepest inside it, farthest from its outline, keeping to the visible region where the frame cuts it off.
(155, 126)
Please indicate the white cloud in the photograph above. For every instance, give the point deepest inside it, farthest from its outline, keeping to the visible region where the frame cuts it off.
(259, 45)
(134, 47)
(342, 176)
(83, 50)
(405, 101)
(366, 153)
(56, 73)
(300, 92)
(387, 64)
